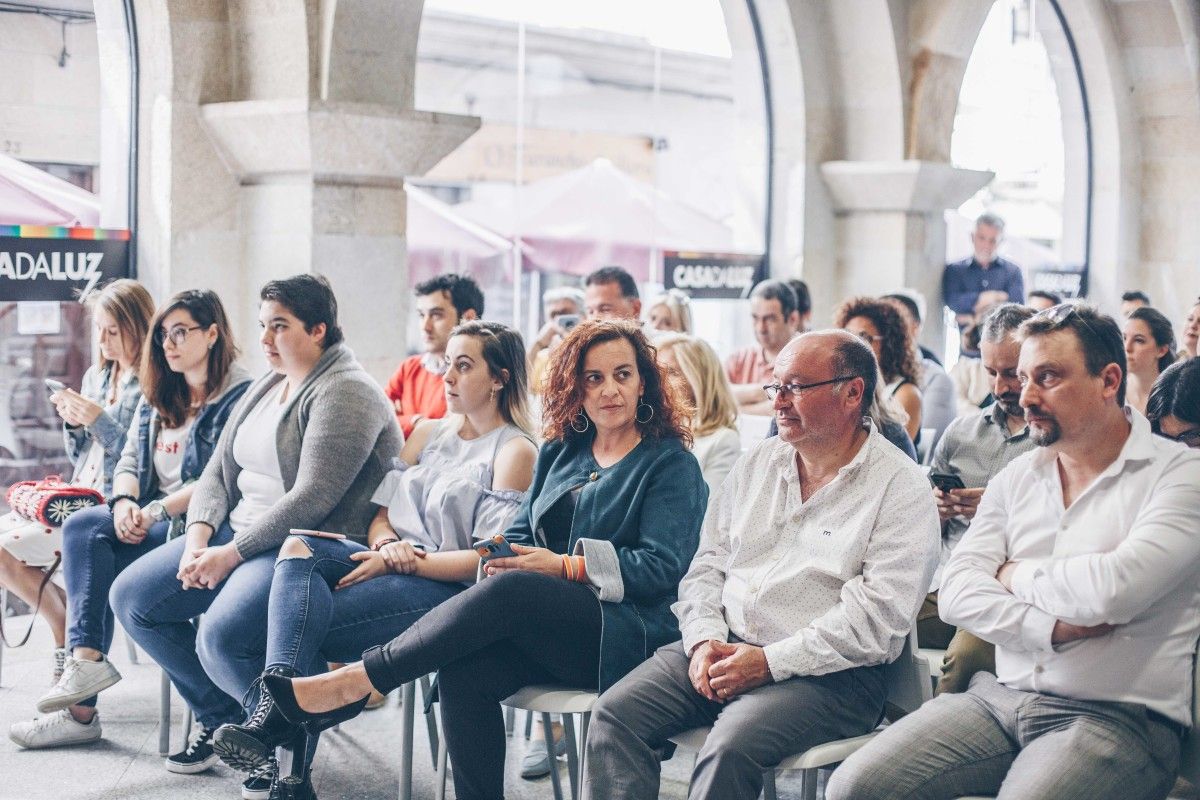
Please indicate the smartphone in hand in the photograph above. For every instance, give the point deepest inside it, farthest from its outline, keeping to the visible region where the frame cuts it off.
(54, 386)
(495, 547)
(946, 482)
(321, 534)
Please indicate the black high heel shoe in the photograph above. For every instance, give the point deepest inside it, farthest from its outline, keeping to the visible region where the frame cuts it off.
(280, 689)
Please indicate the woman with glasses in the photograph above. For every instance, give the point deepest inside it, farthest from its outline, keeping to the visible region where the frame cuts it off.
(190, 382)
(601, 542)
(95, 420)
(1174, 405)
(1149, 349)
(698, 371)
(878, 323)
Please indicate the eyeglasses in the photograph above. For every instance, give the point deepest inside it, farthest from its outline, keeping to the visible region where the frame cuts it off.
(178, 335)
(868, 338)
(790, 389)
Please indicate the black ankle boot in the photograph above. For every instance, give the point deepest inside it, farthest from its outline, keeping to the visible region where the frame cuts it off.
(248, 747)
(280, 689)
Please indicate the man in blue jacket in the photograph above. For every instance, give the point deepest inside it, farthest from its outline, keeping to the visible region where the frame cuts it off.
(985, 278)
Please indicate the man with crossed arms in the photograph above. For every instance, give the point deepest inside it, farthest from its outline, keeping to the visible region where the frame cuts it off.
(1082, 566)
(813, 559)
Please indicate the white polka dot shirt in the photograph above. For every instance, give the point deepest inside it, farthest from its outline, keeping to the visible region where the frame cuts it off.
(823, 585)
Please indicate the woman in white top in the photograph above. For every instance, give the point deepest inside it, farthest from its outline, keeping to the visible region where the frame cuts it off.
(716, 443)
(191, 382)
(458, 480)
(95, 420)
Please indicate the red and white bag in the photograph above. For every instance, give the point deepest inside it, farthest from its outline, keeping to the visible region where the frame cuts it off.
(51, 500)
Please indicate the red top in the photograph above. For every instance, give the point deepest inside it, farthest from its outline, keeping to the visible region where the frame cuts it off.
(415, 391)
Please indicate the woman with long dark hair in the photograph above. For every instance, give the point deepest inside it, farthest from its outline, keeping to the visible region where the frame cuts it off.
(879, 324)
(1149, 349)
(607, 532)
(190, 382)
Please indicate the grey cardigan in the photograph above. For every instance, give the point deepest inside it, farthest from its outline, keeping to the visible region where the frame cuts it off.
(335, 442)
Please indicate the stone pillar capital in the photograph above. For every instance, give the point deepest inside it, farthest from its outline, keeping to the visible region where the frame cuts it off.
(333, 143)
(913, 187)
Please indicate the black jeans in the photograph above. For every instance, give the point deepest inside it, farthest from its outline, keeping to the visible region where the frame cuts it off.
(506, 632)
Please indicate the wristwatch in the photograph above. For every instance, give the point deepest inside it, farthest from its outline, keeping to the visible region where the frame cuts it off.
(157, 510)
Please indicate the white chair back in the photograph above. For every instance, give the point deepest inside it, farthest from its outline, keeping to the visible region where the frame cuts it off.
(907, 677)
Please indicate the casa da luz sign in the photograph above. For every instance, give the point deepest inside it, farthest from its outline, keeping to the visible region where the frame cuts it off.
(713, 275)
(59, 264)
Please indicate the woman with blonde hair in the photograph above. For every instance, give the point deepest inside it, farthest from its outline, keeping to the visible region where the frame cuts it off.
(669, 312)
(694, 364)
(95, 421)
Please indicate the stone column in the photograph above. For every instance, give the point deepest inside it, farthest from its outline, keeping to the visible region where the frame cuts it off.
(323, 192)
(891, 229)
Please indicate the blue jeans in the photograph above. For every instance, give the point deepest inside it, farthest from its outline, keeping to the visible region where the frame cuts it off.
(92, 558)
(217, 662)
(310, 623)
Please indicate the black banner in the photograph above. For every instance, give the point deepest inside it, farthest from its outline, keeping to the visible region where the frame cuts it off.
(713, 275)
(59, 269)
(1068, 282)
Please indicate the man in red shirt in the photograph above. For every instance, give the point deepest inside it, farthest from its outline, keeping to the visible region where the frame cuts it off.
(777, 316)
(416, 390)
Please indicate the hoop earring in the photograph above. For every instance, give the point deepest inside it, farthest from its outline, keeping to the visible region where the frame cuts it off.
(579, 415)
(638, 411)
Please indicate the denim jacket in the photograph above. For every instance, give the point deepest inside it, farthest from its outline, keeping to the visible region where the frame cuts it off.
(637, 524)
(110, 427)
(138, 456)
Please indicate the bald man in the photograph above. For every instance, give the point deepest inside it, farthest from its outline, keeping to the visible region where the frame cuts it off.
(785, 634)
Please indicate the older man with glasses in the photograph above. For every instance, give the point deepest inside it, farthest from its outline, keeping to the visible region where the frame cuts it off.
(1082, 566)
(814, 557)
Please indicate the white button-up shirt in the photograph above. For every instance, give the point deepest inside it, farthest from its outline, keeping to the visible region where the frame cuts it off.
(823, 585)
(1126, 552)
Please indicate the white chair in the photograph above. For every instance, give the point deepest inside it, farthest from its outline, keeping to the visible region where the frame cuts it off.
(908, 687)
(935, 658)
(1189, 753)
(408, 708)
(925, 448)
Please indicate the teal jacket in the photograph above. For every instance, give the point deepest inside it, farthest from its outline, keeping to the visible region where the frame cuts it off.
(637, 524)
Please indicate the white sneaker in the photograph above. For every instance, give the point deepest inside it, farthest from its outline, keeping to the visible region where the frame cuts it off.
(60, 664)
(80, 680)
(54, 730)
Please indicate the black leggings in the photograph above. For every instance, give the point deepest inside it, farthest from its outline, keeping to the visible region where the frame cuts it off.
(506, 632)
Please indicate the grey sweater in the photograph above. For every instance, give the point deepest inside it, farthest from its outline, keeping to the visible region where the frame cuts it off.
(335, 442)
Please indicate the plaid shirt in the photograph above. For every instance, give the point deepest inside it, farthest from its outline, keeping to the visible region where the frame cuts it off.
(974, 447)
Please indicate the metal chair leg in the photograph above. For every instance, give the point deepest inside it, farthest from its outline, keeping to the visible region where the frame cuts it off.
(810, 784)
(430, 723)
(510, 720)
(548, 733)
(572, 754)
(442, 762)
(3, 609)
(131, 648)
(528, 725)
(408, 702)
(585, 720)
(769, 785)
(164, 716)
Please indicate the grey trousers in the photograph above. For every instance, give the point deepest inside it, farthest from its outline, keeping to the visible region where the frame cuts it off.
(993, 740)
(632, 721)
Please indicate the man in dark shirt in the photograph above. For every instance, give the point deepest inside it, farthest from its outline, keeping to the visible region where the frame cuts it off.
(984, 279)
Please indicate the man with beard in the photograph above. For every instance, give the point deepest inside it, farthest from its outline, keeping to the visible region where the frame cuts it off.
(1082, 566)
(975, 447)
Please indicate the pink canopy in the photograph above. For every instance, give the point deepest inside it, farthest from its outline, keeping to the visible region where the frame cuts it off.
(597, 215)
(440, 241)
(29, 196)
